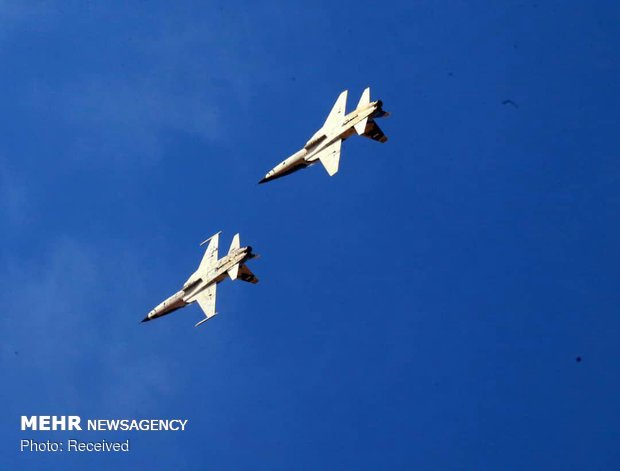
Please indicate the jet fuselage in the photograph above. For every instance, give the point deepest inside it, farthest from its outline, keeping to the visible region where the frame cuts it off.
(322, 139)
(196, 284)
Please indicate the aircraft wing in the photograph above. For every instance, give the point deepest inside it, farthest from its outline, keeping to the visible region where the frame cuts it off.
(206, 301)
(330, 157)
(246, 274)
(374, 132)
(210, 257)
(337, 112)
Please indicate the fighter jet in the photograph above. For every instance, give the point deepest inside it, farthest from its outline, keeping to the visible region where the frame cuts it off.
(324, 145)
(201, 286)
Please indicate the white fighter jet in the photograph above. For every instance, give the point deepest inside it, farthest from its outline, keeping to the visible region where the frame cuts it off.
(201, 286)
(324, 145)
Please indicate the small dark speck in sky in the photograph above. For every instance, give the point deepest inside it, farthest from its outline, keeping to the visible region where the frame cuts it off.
(578, 359)
(510, 102)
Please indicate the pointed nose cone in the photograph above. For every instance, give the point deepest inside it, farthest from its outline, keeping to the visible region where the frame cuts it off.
(264, 180)
(146, 319)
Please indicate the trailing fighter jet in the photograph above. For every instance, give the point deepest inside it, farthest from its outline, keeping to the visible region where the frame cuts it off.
(325, 144)
(201, 286)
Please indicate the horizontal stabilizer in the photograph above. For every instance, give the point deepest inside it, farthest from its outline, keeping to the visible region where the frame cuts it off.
(374, 132)
(245, 274)
(233, 272)
(360, 128)
(330, 157)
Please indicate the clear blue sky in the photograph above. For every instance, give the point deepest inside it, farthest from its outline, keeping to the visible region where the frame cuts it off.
(423, 309)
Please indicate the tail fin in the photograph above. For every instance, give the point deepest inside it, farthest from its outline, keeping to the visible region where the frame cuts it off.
(365, 98)
(360, 127)
(234, 245)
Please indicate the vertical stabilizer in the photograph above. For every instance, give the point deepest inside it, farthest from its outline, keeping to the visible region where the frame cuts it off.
(365, 99)
(360, 127)
(235, 244)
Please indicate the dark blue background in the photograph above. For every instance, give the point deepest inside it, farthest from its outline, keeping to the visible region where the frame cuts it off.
(423, 309)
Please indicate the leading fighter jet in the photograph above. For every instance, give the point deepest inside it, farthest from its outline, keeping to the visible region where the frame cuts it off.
(325, 144)
(201, 286)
